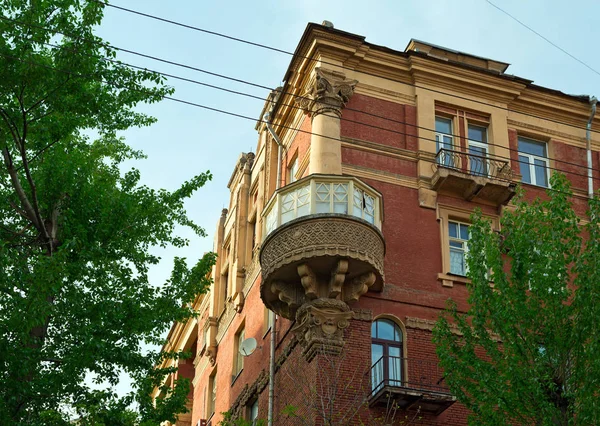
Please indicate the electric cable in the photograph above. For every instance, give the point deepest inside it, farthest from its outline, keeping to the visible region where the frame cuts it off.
(190, 103)
(271, 89)
(543, 37)
(296, 55)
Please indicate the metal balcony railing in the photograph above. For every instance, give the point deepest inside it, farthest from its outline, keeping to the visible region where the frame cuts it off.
(473, 164)
(322, 194)
(413, 374)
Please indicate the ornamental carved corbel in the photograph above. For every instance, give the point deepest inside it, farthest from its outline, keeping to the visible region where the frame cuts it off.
(211, 353)
(290, 297)
(330, 93)
(320, 326)
(308, 280)
(338, 276)
(358, 286)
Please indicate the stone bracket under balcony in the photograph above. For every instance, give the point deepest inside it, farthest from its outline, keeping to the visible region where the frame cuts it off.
(320, 256)
(473, 177)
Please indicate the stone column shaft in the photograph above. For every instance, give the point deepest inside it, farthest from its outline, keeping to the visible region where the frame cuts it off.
(324, 103)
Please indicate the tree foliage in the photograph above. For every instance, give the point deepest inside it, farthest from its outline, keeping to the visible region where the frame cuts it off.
(529, 343)
(75, 230)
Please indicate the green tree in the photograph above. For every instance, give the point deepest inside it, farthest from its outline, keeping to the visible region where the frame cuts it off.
(76, 230)
(528, 347)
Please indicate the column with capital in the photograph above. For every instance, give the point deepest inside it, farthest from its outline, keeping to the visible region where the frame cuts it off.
(324, 103)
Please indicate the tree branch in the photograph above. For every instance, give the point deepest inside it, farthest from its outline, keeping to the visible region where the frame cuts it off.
(31, 216)
(34, 199)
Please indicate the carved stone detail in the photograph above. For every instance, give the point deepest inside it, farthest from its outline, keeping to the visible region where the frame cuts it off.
(322, 236)
(358, 286)
(329, 94)
(290, 296)
(338, 276)
(320, 326)
(211, 353)
(309, 281)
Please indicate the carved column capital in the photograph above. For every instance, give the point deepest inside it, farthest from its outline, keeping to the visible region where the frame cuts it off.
(320, 326)
(330, 93)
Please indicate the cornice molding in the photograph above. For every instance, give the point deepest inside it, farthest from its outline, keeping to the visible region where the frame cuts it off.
(385, 94)
(378, 175)
(377, 148)
(578, 141)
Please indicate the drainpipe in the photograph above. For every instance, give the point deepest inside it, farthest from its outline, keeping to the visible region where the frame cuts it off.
(588, 139)
(267, 119)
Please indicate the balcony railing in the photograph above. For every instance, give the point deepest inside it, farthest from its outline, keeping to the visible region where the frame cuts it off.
(409, 383)
(476, 165)
(322, 194)
(421, 375)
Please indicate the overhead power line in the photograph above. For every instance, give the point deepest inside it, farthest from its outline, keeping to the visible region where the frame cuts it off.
(240, 93)
(296, 55)
(70, 72)
(543, 37)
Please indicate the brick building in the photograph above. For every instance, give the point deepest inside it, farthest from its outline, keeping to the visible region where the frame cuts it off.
(350, 223)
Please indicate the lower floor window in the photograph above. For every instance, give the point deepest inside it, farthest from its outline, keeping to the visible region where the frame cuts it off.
(458, 238)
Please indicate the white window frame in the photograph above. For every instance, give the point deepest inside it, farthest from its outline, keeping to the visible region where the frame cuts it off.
(254, 412)
(481, 145)
(440, 139)
(464, 243)
(292, 171)
(531, 162)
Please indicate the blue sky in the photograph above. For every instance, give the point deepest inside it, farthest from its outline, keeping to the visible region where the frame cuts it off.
(188, 140)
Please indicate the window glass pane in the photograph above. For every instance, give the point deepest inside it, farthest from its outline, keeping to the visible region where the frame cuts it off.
(374, 329)
(464, 232)
(385, 330)
(541, 173)
(478, 164)
(287, 216)
(393, 351)
(448, 142)
(322, 207)
(532, 147)
(340, 208)
(254, 411)
(443, 125)
(453, 229)
(457, 262)
(524, 168)
(456, 244)
(376, 353)
(478, 133)
(395, 368)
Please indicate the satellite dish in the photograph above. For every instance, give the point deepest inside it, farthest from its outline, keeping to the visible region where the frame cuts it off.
(248, 346)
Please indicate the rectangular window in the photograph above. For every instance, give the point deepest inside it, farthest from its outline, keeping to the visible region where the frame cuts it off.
(458, 239)
(292, 171)
(238, 358)
(478, 150)
(533, 162)
(212, 396)
(253, 412)
(443, 138)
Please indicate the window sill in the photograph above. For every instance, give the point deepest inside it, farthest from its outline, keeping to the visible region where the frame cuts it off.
(267, 332)
(448, 280)
(234, 378)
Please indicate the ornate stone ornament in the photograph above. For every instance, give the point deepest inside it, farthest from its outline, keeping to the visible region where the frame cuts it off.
(330, 93)
(320, 326)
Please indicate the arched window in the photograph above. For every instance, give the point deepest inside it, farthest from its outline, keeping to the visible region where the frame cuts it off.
(386, 354)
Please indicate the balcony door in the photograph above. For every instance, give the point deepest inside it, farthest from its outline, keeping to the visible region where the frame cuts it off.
(478, 150)
(386, 354)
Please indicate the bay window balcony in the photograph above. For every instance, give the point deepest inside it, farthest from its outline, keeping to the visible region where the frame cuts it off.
(316, 229)
(323, 195)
